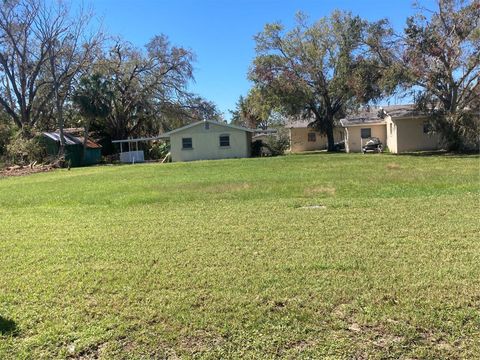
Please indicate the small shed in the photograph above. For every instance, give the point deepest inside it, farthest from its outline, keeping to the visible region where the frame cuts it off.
(206, 140)
(74, 152)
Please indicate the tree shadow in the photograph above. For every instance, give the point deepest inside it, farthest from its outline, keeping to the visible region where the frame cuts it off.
(7, 326)
(441, 153)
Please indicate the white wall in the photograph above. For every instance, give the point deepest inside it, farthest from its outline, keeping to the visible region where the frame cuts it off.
(353, 141)
(391, 135)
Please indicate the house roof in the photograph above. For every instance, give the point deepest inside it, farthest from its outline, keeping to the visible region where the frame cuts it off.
(373, 116)
(298, 122)
(71, 139)
(167, 134)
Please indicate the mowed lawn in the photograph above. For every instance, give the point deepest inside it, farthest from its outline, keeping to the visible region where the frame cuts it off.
(225, 259)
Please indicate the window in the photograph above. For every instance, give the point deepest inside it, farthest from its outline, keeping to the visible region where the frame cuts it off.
(366, 133)
(391, 128)
(312, 137)
(207, 125)
(187, 143)
(427, 128)
(224, 140)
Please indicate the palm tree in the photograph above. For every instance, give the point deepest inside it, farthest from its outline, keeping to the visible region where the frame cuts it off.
(92, 97)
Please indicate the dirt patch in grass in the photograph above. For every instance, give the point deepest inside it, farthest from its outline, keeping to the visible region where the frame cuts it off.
(319, 190)
(297, 346)
(89, 353)
(393, 166)
(228, 187)
(307, 207)
(200, 342)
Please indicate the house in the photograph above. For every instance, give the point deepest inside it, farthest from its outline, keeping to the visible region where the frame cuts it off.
(400, 128)
(206, 140)
(303, 137)
(74, 150)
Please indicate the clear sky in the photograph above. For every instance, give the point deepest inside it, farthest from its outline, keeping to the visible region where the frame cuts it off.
(220, 32)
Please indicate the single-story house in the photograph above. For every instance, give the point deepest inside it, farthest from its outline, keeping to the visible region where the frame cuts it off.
(74, 151)
(400, 128)
(207, 140)
(303, 137)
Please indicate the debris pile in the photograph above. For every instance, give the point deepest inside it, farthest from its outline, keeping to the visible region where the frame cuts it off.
(20, 170)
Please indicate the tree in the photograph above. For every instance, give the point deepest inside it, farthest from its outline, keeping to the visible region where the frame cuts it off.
(40, 51)
(241, 113)
(93, 98)
(73, 51)
(144, 83)
(24, 51)
(321, 70)
(442, 58)
(254, 111)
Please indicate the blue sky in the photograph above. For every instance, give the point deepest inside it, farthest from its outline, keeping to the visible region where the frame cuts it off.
(220, 32)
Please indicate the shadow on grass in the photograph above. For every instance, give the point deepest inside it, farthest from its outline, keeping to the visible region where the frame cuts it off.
(7, 326)
(316, 152)
(440, 153)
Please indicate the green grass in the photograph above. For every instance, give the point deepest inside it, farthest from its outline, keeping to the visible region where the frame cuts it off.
(220, 259)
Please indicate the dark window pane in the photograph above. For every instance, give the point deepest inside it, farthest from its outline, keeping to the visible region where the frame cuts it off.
(366, 133)
(312, 137)
(224, 140)
(187, 143)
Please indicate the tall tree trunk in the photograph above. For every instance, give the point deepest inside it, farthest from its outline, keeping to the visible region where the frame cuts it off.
(61, 123)
(85, 138)
(330, 139)
(329, 131)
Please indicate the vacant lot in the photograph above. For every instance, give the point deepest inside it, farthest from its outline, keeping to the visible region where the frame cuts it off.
(298, 257)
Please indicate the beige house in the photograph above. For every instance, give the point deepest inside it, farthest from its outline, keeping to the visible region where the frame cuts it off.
(304, 138)
(206, 140)
(400, 128)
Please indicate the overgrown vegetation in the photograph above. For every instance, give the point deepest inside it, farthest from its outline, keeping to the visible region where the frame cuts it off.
(59, 70)
(442, 61)
(313, 256)
(278, 143)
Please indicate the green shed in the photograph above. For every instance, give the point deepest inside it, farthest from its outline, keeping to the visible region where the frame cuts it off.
(73, 148)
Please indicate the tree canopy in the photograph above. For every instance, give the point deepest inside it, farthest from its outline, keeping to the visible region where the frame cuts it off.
(441, 56)
(321, 70)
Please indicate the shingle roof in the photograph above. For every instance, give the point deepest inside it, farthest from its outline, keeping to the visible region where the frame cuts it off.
(372, 116)
(364, 116)
(298, 122)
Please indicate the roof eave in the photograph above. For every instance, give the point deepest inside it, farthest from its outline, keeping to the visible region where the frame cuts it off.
(167, 134)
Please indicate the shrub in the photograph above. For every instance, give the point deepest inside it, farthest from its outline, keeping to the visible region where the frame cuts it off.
(277, 144)
(23, 151)
(158, 150)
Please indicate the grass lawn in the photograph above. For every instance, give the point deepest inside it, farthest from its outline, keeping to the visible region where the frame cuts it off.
(224, 259)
